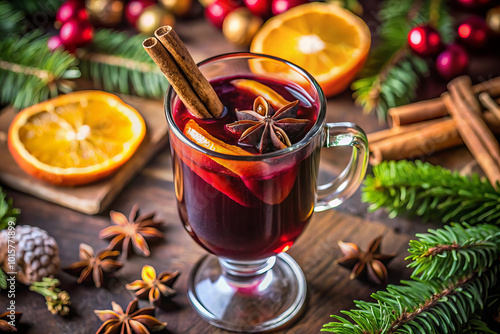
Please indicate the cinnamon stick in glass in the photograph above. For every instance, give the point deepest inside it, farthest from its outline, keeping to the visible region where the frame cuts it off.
(435, 108)
(171, 41)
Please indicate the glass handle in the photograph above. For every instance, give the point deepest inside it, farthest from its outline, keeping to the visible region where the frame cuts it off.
(333, 194)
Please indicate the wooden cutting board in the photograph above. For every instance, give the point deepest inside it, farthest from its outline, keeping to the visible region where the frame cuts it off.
(92, 198)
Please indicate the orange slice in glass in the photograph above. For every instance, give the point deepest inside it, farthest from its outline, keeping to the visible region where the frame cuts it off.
(326, 40)
(259, 89)
(75, 138)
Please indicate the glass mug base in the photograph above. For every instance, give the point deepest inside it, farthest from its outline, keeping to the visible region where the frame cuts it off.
(271, 299)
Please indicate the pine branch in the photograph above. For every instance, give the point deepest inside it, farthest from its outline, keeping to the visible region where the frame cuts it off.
(3, 280)
(431, 192)
(30, 73)
(476, 325)
(117, 62)
(456, 249)
(7, 212)
(32, 7)
(11, 20)
(436, 306)
(391, 74)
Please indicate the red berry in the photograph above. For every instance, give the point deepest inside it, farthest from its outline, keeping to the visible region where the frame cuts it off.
(135, 8)
(473, 32)
(55, 42)
(76, 33)
(217, 11)
(281, 6)
(452, 62)
(260, 8)
(424, 40)
(71, 9)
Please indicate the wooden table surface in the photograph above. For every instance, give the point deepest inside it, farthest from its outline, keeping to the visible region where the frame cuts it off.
(329, 289)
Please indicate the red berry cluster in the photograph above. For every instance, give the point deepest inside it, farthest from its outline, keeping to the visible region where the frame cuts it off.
(451, 60)
(217, 10)
(76, 29)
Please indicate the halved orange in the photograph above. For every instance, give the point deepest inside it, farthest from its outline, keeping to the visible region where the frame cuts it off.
(326, 40)
(75, 138)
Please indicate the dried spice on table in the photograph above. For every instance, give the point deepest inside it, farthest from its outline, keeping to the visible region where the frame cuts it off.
(57, 301)
(94, 267)
(371, 263)
(154, 287)
(133, 320)
(5, 325)
(133, 230)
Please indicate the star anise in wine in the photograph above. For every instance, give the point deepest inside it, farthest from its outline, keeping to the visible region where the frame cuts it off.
(93, 266)
(6, 320)
(133, 320)
(132, 231)
(266, 129)
(152, 286)
(371, 263)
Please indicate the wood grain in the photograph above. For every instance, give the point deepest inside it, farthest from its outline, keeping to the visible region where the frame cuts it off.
(95, 197)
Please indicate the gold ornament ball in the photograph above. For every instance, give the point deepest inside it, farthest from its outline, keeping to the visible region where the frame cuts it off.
(105, 12)
(493, 19)
(205, 3)
(240, 26)
(154, 17)
(178, 7)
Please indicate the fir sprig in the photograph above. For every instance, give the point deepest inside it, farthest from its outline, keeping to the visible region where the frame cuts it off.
(30, 73)
(11, 19)
(437, 306)
(33, 7)
(3, 280)
(7, 212)
(391, 74)
(431, 192)
(117, 62)
(456, 249)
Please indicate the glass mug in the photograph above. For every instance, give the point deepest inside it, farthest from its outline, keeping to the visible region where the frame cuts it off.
(248, 210)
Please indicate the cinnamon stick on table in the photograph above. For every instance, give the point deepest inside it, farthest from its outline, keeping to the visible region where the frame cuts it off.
(464, 108)
(175, 62)
(435, 108)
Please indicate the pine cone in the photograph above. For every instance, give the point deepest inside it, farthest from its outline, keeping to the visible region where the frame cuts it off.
(37, 254)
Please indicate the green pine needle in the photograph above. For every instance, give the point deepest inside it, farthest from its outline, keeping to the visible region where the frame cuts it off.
(392, 72)
(11, 20)
(117, 62)
(3, 280)
(7, 212)
(30, 73)
(431, 192)
(38, 7)
(437, 306)
(456, 249)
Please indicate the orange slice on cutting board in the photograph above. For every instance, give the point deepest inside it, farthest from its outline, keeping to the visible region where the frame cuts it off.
(75, 138)
(326, 40)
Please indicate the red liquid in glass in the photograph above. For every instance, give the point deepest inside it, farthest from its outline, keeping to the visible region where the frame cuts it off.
(252, 215)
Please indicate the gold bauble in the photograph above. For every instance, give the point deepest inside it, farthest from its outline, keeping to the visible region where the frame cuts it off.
(154, 17)
(240, 26)
(105, 12)
(178, 7)
(205, 3)
(493, 19)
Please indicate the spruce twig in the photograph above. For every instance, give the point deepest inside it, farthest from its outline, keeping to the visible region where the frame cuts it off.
(118, 63)
(30, 73)
(33, 7)
(391, 74)
(431, 192)
(459, 248)
(7, 212)
(3, 280)
(11, 20)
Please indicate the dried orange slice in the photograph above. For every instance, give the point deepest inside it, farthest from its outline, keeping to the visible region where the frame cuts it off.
(326, 40)
(259, 89)
(75, 138)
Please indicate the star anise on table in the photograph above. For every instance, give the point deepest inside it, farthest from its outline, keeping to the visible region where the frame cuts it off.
(133, 320)
(266, 129)
(93, 266)
(133, 230)
(371, 263)
(5, 326)
(152, 286)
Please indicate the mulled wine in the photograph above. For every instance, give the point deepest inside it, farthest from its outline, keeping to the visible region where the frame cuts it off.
(240, 209)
